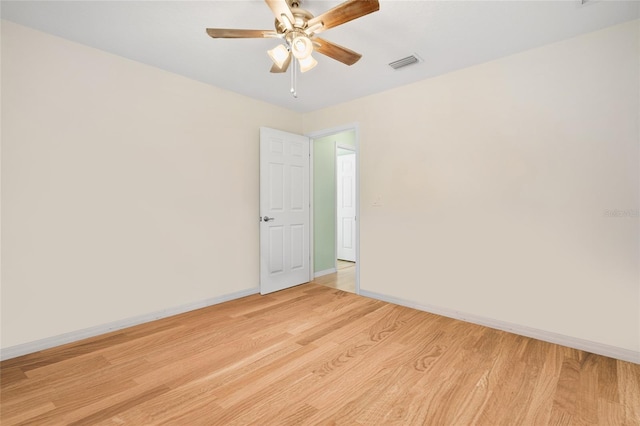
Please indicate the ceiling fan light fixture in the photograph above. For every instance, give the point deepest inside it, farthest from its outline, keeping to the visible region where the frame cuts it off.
(307, 63)
(279, 55)
(301, 47)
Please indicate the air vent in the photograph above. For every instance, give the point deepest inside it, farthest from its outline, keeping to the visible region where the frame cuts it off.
(400, 63)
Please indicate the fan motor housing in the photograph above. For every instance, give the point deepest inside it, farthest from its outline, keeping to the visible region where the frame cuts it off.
(301, 17)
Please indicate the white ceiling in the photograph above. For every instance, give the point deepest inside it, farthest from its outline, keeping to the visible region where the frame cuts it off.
(447, 35)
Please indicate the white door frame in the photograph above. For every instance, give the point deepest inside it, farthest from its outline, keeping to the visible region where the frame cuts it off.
(317, 135)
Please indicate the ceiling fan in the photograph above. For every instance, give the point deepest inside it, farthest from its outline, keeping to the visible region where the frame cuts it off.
(299, 28)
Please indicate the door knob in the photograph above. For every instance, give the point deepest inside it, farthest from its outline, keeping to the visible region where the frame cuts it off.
(267, 218)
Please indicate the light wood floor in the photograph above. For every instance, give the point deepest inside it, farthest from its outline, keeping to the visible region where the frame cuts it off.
(344, 279)
(316, 355)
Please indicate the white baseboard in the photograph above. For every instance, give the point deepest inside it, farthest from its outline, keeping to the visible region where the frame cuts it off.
(547, 336)
(325, 272)
(74, 336)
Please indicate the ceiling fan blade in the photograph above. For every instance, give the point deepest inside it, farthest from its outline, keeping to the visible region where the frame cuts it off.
(337, 52)
(345, 12)
(234, 33)
(276, 69)
(279, 8)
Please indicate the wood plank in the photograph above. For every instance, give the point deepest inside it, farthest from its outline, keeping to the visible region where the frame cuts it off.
(316, 355)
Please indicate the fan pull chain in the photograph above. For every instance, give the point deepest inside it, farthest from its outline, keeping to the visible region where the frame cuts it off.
(294, 78)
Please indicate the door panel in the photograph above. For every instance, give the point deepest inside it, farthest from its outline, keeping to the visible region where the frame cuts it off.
(346, 207)
(276, 187)
(284, 199)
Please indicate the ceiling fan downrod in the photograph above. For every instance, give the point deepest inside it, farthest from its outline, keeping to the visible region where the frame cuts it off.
(294, 81)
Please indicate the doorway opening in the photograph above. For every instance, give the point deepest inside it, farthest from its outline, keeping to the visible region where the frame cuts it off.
(335, 208)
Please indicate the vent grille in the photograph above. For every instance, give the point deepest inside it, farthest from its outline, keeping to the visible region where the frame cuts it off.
(400, 63)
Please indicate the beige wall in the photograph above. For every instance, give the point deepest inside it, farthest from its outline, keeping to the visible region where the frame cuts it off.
(126, 190)
(494, 184)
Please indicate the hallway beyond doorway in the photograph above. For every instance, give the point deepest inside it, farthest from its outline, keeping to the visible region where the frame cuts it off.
(344, 279)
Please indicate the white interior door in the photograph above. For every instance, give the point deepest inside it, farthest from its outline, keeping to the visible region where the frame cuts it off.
(284, 210)
(346, 205)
